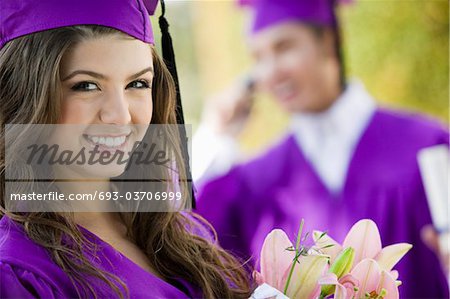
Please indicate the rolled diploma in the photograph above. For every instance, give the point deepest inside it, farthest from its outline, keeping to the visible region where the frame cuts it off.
(434, 164)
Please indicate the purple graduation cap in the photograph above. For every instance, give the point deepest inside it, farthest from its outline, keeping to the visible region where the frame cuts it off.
(19, 18)
(271, 12)
(29, 16)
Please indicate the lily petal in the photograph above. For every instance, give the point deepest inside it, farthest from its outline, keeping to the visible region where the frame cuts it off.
(394, 274)
(388, 283)
(329, 278)
(389, 256)
(349, 282)
(259, 279)
(328, 282)
(304, 282)
(368, 274)
(326, 244)
(365, 238)
(275, 259)
(315, 293)
(340, 292)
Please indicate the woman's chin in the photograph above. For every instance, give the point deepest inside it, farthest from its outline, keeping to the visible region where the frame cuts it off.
(108, 171)
(99, 172)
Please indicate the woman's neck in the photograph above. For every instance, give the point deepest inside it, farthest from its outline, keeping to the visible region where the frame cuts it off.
(106, 225)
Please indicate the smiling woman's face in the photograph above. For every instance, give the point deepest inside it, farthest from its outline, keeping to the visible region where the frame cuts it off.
(106, 94)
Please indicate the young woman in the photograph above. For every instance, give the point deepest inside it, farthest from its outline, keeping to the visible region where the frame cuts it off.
(93, 65)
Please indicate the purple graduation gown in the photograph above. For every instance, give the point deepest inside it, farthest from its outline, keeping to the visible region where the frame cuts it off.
(383, 183)
(27, 271)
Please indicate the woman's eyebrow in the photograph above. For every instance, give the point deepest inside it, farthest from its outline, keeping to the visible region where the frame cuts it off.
(138, 74)
(84, 72)
(100, 76)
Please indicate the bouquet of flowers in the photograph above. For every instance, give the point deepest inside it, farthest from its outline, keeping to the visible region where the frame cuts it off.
(359, 268)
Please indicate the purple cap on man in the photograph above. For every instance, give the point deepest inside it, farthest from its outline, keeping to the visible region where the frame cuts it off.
(267, 13)
(19, 18)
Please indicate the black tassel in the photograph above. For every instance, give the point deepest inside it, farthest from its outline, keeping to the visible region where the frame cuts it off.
(169, 59)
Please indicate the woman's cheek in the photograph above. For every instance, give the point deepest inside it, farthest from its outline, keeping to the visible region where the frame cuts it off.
(141, 111)
(77, 111)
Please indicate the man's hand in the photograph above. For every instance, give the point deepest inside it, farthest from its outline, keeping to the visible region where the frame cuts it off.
(227, 112)
(431, 238)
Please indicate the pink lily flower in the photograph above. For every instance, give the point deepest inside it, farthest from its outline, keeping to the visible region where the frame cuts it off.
(366, 280)
(371, 273)
(359, 268)
(365, 239)
(276, 261)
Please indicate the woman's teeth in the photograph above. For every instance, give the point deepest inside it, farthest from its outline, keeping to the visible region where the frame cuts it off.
(108, 141)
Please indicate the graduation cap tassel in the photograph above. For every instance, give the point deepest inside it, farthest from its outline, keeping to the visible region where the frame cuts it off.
(169, 59)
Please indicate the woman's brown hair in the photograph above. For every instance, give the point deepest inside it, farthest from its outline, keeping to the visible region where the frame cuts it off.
(30, 93)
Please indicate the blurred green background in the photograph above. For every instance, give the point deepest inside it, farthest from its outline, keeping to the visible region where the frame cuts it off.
(399, 49)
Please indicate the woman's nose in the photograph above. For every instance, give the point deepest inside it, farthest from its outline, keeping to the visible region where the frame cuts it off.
(115, 109)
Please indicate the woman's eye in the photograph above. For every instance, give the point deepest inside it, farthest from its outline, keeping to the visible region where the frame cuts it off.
(139, 84)
(85, 86)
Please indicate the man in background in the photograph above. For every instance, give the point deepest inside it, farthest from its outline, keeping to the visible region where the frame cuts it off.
(344, 159)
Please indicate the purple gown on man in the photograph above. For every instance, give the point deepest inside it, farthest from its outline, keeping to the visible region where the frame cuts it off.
(383, 183)
(27, 271)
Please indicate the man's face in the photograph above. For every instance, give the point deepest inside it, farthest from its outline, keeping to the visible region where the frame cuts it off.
(297, 66)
